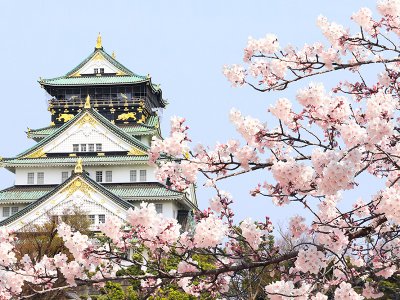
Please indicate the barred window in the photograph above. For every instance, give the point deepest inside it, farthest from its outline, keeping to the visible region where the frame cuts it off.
(102, 218)
(108, 176)
(92, 219)
(14, 210)
(91, 147)
(40, 178)
(99, 176)
(159, 208)
(64, 176)
(99, 147)
(143, 174)
(133, 176)
(75, 148)
(83, 147)
(6, 212)
(31, 178)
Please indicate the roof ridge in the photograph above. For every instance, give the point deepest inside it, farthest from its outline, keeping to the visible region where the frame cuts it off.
(50, 137)
(44, 128)
(82, 63)
(117, 64)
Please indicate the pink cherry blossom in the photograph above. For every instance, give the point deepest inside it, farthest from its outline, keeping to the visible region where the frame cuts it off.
(346, 292)
(251, 233)
(310, 260)
(297, 226)
(210, 232)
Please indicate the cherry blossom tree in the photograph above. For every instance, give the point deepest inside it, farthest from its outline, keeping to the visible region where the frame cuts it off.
(324, 140)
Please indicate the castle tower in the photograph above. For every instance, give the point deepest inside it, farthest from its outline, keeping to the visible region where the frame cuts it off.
(93, 156)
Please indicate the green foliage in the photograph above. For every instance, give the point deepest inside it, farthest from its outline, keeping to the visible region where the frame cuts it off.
(114, 291)
(171, 294)
(41, 240)
(390, 287)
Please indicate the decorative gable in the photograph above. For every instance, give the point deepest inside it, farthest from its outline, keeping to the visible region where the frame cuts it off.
(88, 127)
(79, 193)
(87, 130)
(95, 64)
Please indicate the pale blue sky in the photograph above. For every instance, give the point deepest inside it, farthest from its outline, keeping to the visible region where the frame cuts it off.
(182, 44)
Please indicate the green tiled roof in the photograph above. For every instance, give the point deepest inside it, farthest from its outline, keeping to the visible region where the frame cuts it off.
(93, 80)
(104, 121)
(150, 127)
(24, 193)
(129, 78)
(128, 191)
(142, 190)
(71, 161)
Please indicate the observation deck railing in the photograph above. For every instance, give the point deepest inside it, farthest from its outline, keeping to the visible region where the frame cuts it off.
(97, 102)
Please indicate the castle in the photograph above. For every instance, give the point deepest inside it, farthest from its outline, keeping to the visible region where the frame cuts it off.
(93, 156)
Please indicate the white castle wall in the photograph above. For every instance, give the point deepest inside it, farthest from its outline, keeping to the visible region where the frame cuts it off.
(170, 209)
(87, 134)
(52, 175)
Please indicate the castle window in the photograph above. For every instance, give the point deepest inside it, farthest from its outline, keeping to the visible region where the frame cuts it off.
(91, 147)
(159, 208)
(40, 178)
(108, 176)
(64, 176)
(101, 70)
(31, 178)
(133, 176)
(99, 147)
(75, 148)
(6, 212)
(14, 210)
(96, 71)
(143, 175)
(83, 147)
(92, 219)
(99, 176)
(102, 218)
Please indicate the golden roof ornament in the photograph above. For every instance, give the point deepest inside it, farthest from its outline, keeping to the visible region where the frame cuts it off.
(98, 42)
(113, 55)
(87, 103)
(78, 166)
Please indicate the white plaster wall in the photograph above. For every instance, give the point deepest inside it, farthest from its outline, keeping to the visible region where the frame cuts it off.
(89, 67)
(58, 205)
(120, 174)
(146, 139)
(170, 208)
(87, 134)
(9, 205)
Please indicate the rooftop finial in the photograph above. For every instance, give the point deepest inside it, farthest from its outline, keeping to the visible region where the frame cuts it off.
(87, 103)
(98, 43)
(113, 55)
(78, 166)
